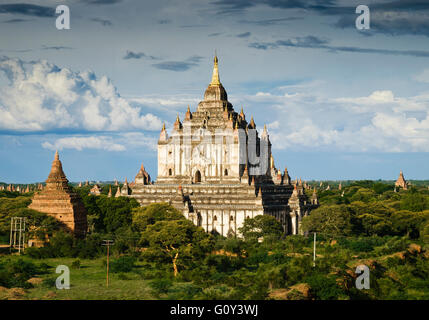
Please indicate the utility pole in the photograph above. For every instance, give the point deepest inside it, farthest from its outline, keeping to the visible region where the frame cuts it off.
(107, 243)
(314, 250)
(17, 229)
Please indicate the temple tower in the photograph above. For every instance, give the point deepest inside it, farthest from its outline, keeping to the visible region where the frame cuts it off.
(401, 182)
(218, 170)
(59, 201)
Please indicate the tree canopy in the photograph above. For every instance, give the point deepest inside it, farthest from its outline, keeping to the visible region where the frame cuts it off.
(261, 226)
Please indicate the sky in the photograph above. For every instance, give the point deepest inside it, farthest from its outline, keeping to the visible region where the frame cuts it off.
(339, 103)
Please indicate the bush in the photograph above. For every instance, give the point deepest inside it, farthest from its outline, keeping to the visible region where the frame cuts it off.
(76, 264)
(218, 292)
(185, 291)
(361, 244)
(49, 283)
(16, 273)
(123, 276)
(122, 264)
(392, 245)
(324, 287)
(160, 286)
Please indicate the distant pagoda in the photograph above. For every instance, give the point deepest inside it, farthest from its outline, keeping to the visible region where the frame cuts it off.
(59, 201)
(95, 190)
(401, 182)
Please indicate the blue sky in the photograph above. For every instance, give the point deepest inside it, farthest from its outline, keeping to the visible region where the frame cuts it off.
(339, 103)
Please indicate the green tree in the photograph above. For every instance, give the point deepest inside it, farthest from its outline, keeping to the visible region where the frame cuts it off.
(376, 225)
(148, 215)
(261, 226)
(176, 239)
(334, 220)
(414, 201)
(380, 188)
(408, 223)
(116, 213)
(324, 287)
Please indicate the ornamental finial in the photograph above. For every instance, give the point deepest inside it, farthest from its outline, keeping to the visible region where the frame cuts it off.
(215, 76)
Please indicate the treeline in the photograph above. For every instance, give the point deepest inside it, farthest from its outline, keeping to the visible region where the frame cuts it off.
(368, 224)
(368, 209)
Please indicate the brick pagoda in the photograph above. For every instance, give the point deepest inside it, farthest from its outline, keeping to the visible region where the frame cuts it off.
(59, 201)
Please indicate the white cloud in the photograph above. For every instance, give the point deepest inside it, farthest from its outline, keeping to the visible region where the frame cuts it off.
(113, 142)
(79, 143)
(379, 122)
(44, 97)
(138, 139)
(166, 103)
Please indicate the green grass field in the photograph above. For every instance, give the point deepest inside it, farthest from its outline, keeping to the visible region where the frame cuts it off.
(86, 283)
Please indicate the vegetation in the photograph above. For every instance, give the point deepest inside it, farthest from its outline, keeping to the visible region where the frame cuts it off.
(158, 254)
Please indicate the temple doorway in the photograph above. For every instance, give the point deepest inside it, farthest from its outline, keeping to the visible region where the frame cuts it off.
(197, 177)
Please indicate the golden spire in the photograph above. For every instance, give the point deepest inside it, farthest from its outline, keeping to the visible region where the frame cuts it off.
(57, 157)
(177, 118)
(215, 76)
(188, 114)
(252, 123)
(163, 126)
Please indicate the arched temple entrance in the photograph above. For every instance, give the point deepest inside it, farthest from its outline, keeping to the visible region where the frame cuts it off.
(197, 178)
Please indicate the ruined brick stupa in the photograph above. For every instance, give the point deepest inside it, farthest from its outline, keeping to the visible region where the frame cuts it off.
(59, 201)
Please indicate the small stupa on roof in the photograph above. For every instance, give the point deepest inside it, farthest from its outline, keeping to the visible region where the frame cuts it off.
(59, 201)
(314, 198)
(125, 190)
(142, 176)
(118, 192)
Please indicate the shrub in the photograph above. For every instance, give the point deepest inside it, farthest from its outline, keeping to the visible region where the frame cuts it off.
(123, 264)
(361, 244)
(16, 273)
(76, 264)
(123, 276)
(324, 287)
(49, 282)
(185, 291)
(160, 286)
